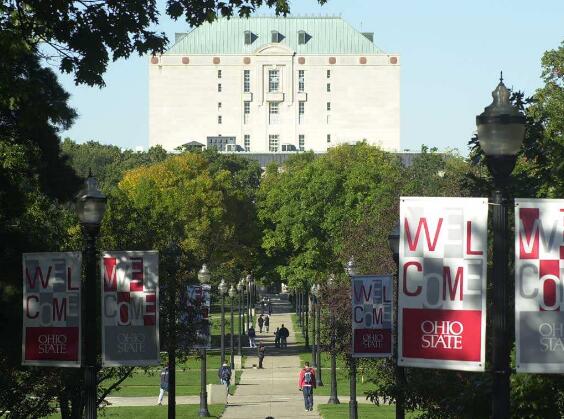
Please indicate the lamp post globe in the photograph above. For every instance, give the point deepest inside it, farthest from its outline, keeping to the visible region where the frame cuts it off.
(501, 130)
(90, 208)
(222, 287)
(350, 269)
(204, 274)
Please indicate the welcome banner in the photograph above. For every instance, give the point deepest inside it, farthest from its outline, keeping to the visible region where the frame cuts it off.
(130, 308)
(198, 312)
(372, 316)
(51, 309)
(442, 283)
(539, 290)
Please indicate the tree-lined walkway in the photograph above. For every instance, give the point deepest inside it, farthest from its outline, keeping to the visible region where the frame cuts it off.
(272, 391)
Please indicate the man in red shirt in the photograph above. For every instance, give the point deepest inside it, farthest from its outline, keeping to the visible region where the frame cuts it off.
(306, 384)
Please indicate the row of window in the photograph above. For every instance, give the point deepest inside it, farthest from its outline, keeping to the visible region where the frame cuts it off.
(273, 111)
(276, 37)
(273, 81)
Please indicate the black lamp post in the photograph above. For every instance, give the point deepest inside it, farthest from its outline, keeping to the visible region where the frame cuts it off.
(232, 294)
(204, 278)
(222, 291)
(314, 344)
(249, 280)
(91, 205)
(501, 129)
(240, 288)
(333, 399)
(393, 243)
(353, 406)
(317, 310)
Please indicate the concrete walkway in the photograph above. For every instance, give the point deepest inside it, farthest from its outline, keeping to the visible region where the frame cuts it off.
(149, 401)
(272, 391)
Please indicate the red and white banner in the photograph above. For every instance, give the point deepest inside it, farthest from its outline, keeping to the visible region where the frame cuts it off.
(442, 283)
(51, 309)
(130, 308)
(372, 316)
(539, 288)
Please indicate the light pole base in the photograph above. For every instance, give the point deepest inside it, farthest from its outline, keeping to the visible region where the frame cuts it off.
(204, 413)
(353, 410)
(333, 400)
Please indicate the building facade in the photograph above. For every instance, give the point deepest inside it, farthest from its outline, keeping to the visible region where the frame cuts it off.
(269, 84)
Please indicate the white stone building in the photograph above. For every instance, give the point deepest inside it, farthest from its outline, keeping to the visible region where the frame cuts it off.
(268, 83)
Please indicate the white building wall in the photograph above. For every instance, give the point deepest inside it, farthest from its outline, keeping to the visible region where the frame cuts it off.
(365, 99)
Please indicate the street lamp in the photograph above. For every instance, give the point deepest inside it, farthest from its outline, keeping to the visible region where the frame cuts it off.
(241, 289)
(501, 129)
(317, 309)
(222, 291)
(393, 243)
(305, 328)
(249, 280)
(333, 399)
(204, 278)
(232, 294)
(90, 208)
(314, 345)
(353, 406)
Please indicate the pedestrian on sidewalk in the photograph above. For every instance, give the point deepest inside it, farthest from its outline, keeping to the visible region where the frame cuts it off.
(306, 384)
(224, 375)
(269, 307)
(284, 333)
(252, 336)
(164, 385)
(267, 323)
(261, 350)
(260, 322)
(277, 337)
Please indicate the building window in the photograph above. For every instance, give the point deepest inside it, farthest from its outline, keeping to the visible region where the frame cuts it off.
(275, 37)
(219, 119)
(301, 111)
(246, 111)
(273, 111)
(301, 142)
(301, 37)
(247, 142)
(328, 87)
(328, 138)
(328, 74)
(273, 143)
(328, 106)
(218, 106)
(219, 87)
(246, 81)
(301, 80)
(218, 74)
(248, 38)
(273, 80)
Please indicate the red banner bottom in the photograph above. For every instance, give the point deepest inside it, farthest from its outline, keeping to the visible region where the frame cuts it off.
(453, 335)
(372, 341)
(51, 344)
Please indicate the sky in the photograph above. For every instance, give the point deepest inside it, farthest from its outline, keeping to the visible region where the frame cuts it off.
(451, 55)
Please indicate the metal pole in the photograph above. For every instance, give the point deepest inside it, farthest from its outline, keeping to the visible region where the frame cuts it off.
(313, 346)
(231, 336)
(353, 407)
(240, 328)
(501, 371)
(317, 307)
(222, 329)
(172, 348)
(248, 300)
(399, 371)
(333, 399)
(203, 393)
(90, 310)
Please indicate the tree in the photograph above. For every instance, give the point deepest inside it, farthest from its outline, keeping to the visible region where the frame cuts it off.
(84, 35)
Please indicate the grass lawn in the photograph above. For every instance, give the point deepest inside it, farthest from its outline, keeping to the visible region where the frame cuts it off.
(186, 411)
(341, 411)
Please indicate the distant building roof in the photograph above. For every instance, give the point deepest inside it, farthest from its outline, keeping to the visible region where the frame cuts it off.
(324, 35)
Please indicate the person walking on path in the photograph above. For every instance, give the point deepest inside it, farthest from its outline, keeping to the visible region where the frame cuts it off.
(284, 333)
(306, 384)
(164, 385)
(261, 350)
(269, 307)
(277, 337)
(224, 375)
(260, 322)
(267, 323)
(252, 336)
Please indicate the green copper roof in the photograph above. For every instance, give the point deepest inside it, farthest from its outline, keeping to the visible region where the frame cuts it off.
(325, 35)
